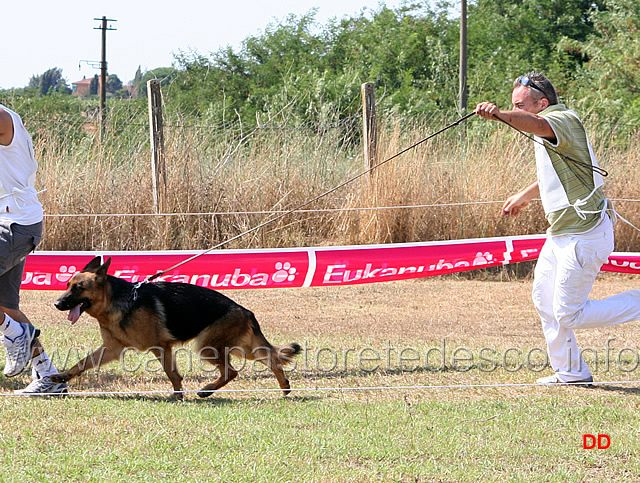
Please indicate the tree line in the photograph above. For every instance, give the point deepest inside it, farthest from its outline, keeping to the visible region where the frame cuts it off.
(314, 71)
(53, 82)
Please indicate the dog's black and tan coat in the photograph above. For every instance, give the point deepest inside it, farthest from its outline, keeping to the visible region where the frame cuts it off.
(158, 316)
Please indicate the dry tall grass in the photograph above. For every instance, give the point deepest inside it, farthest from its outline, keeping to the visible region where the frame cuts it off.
(211, 170)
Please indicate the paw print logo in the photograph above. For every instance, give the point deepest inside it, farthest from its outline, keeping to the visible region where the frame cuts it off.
(483, 258)
(285, 272)
(65, 273)
(529, 252)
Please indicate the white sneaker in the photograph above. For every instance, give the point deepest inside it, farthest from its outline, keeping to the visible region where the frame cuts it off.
(555, 379)
(43, 387)
(19, 351)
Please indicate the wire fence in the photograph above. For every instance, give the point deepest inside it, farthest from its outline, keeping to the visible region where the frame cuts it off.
(225, 175)
(130, 118)
(279, 212)
(320, 389)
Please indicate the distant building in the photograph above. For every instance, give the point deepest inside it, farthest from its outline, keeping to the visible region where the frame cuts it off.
(82, 88)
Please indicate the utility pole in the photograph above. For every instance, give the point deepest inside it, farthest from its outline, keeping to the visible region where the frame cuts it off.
(103, 66)
(463, 56)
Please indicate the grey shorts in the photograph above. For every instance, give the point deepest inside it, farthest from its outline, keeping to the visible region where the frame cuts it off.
(16, 242)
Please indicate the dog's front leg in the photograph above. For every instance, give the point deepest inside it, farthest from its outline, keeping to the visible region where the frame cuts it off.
(101, 356)
(165, 357)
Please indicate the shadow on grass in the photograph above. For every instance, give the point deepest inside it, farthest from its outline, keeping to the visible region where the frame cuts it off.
(364, 373)
(157, 398)
(213, 400)
(635, 391)
(121, 387)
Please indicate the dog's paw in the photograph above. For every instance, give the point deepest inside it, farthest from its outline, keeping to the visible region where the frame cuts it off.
(207, 390)
(59, 378)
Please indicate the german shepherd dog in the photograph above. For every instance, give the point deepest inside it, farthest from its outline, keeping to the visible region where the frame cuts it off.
(157, 316)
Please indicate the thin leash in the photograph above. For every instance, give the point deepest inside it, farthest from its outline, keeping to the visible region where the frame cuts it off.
(588, 166)
(305, 204)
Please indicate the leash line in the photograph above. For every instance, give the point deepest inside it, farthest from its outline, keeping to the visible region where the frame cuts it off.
(312, 200)
(582, 164)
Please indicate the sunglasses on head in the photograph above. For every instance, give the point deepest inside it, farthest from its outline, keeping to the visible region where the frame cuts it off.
(525, 81)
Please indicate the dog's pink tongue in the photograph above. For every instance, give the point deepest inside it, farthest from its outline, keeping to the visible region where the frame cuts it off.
(74, 314)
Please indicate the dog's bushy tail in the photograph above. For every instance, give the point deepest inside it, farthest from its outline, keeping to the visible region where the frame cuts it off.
(285, 353)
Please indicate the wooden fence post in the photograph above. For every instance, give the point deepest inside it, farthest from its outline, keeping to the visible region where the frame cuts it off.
(156, 132)
(370, 130)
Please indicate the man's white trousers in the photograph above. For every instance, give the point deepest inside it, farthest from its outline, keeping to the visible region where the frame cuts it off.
(565, 272)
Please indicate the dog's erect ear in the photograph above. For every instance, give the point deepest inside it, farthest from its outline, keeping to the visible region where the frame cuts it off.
(93, 265)
(102, 271)
(96, 266)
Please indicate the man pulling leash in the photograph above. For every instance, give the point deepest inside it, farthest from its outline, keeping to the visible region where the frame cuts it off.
(580, 235)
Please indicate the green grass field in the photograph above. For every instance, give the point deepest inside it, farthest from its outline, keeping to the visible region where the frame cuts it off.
(460, 356)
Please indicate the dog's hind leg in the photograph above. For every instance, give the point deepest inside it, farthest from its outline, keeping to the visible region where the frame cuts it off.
(257, 347)
(269, 357)
(221, 360)
(166, 358)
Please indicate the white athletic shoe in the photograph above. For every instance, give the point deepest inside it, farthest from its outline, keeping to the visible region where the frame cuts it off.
(19, 351)
(554, 379)
(43, 386)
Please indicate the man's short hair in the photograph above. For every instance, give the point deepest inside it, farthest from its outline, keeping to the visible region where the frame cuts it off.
(538, 82)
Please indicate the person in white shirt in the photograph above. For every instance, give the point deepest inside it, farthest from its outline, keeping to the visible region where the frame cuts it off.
(20, 232)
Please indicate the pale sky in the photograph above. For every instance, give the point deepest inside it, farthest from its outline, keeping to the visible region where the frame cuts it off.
(39, 35)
